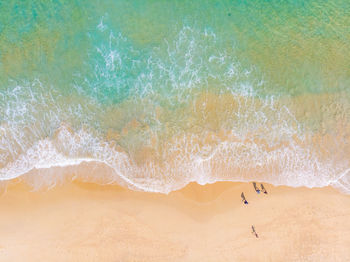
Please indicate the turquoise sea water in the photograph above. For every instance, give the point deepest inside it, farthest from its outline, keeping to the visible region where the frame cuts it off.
(155, 94)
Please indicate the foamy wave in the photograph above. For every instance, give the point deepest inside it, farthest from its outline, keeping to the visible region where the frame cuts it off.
(155, 120)
(342, 182)
(44, 165)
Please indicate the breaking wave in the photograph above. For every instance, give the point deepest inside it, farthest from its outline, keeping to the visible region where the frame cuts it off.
(156, 119)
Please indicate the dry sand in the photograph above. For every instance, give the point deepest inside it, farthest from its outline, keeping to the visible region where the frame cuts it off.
(85, 222)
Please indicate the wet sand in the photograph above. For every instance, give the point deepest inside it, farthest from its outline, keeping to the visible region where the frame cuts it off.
(86, 222)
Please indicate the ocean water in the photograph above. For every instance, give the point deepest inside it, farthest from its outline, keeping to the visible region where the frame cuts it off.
(155, 94)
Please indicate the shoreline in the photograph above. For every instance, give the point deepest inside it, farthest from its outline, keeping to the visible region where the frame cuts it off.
(87, 222)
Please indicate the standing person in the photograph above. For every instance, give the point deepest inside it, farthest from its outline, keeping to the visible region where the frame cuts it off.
(256, 188)
(243, 199)
(263, 189)
(254, 232)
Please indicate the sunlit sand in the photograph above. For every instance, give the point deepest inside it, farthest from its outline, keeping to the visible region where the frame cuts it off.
(85, 222)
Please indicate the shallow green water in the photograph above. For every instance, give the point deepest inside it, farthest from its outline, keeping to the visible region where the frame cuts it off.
(130, 79)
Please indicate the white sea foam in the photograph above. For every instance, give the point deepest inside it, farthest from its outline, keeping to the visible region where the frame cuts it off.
(292, 165)
(46, 141)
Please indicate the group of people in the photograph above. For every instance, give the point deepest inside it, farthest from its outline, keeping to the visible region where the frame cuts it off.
(244, 200)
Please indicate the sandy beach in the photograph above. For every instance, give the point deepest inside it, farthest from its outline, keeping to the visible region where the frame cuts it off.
(86, 222)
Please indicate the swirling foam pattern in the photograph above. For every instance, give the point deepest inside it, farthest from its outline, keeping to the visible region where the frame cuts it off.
(156, 94)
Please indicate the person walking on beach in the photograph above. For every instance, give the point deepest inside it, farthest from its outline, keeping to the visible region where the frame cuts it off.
(263, 189)
(256, 188)
(254, 232)
(243, 199)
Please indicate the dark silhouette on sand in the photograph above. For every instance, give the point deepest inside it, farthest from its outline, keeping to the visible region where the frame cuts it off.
(263, 189)
(254, 232)
(243, 199)
(256, 188)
